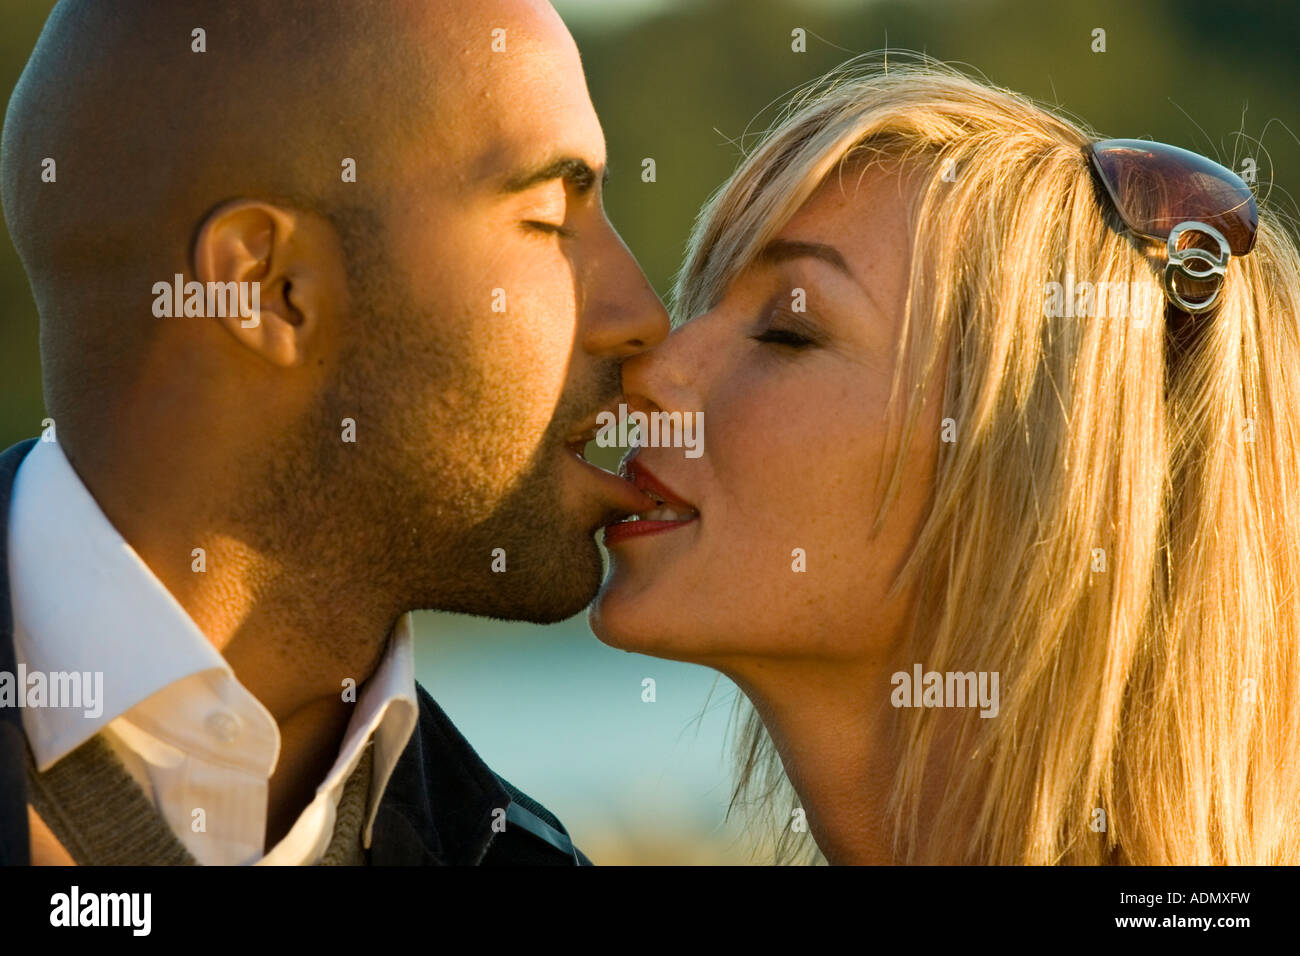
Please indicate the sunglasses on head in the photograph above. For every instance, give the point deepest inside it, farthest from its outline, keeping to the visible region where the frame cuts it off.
(1204, 212)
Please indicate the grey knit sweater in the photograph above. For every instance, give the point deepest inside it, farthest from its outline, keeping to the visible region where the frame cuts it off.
(98, 812)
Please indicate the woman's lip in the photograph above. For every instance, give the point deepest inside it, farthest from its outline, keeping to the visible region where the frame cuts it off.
(645, 480)
(621, 531)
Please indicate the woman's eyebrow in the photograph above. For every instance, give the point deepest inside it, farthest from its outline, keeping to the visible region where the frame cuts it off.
(783, 250)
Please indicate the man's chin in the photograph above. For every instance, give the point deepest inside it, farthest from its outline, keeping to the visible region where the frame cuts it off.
(539, 587)
(566, 591)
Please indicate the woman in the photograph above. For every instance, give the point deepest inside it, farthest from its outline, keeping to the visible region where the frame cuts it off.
(1003, 564)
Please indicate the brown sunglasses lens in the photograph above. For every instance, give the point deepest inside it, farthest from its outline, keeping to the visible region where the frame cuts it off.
(1155, 186)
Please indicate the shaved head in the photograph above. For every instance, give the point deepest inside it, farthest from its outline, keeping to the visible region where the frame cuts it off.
(148, 136)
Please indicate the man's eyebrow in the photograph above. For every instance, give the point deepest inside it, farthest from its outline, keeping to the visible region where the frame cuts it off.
(783, 250)
(576, 172)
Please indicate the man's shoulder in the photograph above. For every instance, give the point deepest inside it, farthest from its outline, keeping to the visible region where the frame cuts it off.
(445, 805)
(540, 824)
(13, 783)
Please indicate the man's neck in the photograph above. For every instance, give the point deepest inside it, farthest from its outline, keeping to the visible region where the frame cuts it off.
(293, 628)
(282, 647)
(309, 745)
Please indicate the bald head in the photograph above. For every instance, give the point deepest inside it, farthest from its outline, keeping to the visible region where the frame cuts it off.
(147, 135)
(154, 114)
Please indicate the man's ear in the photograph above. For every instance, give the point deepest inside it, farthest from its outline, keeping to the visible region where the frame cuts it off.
(287, 266)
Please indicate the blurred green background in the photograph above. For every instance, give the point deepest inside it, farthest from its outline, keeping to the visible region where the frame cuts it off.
(680, 81)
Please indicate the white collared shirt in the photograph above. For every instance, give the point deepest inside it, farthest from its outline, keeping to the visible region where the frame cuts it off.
(191, 735)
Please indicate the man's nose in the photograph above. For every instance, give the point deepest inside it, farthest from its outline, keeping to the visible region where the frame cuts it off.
(624, 315)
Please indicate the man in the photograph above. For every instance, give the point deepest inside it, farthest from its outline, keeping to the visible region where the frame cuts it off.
(235, 507)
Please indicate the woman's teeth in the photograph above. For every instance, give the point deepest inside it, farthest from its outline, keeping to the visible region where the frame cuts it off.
(664, 513)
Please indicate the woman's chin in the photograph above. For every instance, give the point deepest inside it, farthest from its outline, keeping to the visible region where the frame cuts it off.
(609, 619)
(627, 618)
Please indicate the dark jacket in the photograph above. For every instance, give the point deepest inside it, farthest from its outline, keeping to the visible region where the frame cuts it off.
(438, 808)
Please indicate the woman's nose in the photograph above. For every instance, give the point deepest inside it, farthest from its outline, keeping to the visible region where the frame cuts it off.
(666, 376)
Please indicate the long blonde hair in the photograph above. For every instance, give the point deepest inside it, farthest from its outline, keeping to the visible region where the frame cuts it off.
(1115, 528)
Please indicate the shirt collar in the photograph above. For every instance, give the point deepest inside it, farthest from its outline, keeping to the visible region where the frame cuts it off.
(98, 608)
(386, 712)
(94, 604)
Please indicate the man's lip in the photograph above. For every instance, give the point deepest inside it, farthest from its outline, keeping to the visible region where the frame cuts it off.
(625, 498)
(644, 479)
(622, 493)
(591, 425)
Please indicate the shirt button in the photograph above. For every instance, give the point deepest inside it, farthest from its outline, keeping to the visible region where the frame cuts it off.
(223, 726)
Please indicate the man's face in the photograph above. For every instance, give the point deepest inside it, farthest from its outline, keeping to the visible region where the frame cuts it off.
(511, 301)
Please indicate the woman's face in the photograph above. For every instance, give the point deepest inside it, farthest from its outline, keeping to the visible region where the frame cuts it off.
(794, 434)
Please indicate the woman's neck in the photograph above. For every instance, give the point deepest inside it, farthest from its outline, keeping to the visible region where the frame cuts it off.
(831, 724)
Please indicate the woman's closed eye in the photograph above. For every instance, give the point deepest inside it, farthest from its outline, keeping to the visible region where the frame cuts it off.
(779, 325)
(786, 337)
(788, 330)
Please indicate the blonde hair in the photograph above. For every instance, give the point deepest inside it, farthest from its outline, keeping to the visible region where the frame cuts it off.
(1115, 528)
